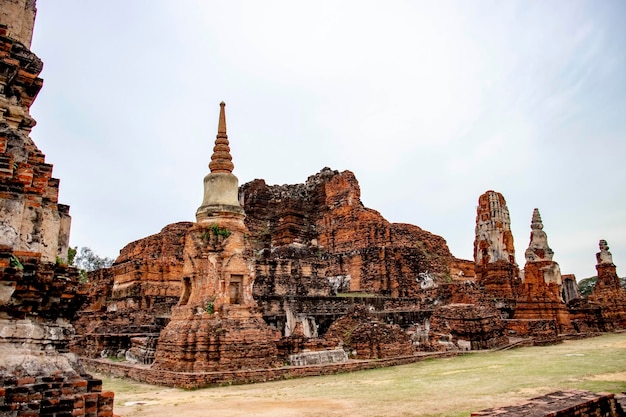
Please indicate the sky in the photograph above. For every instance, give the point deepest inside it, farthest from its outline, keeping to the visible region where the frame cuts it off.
(429, 103)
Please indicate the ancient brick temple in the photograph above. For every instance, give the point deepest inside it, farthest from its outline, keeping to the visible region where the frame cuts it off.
(216, 324)
(539, 308)
(39, 293)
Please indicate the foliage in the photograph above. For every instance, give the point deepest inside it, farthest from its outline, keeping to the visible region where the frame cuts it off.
(87, 260)
(215, 231)
(82, 278)
(71, 255)
(210, 306)
(14, 262)
(355, 295)
(586, 286)
(219, 231)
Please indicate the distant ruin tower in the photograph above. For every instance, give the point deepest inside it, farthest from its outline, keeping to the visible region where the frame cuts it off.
(494, 253)
(221, 187)
(539, 252)
(216, 324)
(604, 257)
(607, 271)
(494, 240)
(540, 296)
(608, 291)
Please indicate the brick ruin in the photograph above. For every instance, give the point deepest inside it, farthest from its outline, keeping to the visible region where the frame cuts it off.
(566, 403)
(305, 274)
(39, 293)
(267, 276)
(215, 325)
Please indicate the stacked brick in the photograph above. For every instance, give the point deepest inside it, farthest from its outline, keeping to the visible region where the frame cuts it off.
(32, 221)
(314, 232)
(567, 403)
(608, 292)
(54, 396)
(494, 251)
(39, 293)
(133, 298)
(539, 295)
(364, 337)
(205, 343)
(467, 327)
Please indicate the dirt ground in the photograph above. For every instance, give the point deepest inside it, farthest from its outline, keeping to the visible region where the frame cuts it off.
(442, 387)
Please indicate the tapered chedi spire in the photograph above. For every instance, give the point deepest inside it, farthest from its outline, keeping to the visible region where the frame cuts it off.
(538, 249)
(221, 160)
(221, 187)
(540, 255)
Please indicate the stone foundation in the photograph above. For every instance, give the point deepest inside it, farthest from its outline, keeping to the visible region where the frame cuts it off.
(569, 403)
(191, 380)
(317, 358)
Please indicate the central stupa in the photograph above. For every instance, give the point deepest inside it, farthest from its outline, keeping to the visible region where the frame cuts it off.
(216, 324)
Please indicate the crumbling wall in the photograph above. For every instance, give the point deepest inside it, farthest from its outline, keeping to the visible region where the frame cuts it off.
(312, 233)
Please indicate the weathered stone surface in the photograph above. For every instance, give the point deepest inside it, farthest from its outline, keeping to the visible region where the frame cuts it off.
(364, 337)
(570, 288)
(205, 342)
(147, 272)
(18, 19)
(220, 185)
(31, 220)
(462, 269)
(317, 238)
(134, 297)
(539, 252)
(538, 297)
(467, 327)
(608, 292)
(318, 357)
(494, 251)
(494, 240)
(216, 323)
(568, 403)
(39, 294)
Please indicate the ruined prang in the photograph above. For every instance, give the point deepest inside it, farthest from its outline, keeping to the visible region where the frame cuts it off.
(494, 251)
(540, 310)
(608, 292)
(39, 292)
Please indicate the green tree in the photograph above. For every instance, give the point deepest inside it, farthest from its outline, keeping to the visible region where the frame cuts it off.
(586, 285)
(87, 260)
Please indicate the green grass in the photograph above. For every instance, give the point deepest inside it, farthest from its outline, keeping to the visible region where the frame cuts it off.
(439, 387)
(355, 295)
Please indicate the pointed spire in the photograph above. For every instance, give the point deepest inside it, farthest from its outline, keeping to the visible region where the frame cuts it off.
(221, 160)
(536, 223)
(538, 249)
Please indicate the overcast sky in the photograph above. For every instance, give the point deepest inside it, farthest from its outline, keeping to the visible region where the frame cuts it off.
(430, 104)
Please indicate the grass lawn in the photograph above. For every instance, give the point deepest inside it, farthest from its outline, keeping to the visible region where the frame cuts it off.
(438, 387)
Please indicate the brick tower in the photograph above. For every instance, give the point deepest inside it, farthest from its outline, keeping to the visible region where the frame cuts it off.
(216, 324)
(39, 293)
